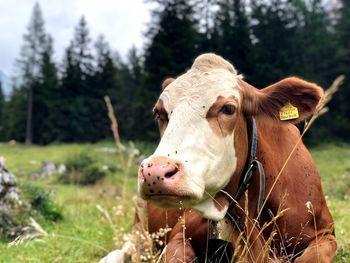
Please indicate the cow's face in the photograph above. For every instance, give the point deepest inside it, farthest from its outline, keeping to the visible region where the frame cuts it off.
(196, 156)
(197, 115)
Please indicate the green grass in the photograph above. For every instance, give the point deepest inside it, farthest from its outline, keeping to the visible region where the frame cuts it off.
(85, 235)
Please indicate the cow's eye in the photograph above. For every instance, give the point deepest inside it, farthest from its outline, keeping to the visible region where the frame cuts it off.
(228, 109)
(156, 115)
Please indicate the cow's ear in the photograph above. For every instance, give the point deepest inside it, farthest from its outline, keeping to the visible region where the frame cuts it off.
(166, 82)
(291, 99)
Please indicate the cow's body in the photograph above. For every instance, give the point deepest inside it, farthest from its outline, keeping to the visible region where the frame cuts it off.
(303, 230)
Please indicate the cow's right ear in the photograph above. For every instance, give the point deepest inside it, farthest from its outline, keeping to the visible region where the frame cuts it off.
(166, 82)
(291, 99)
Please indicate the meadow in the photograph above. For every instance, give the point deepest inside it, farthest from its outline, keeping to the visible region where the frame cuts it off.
(95, 217)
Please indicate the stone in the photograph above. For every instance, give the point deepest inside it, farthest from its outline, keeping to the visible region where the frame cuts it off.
(7, 184)
(11, 204)
(61, 169)
(48, 168)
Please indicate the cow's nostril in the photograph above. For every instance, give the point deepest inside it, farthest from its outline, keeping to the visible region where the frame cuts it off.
(171, 173)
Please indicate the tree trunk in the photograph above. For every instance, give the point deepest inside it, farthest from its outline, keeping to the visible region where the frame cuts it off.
(28, 139)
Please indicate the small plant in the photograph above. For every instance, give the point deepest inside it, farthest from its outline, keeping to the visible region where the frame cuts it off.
(40, 200)
(12, 221)
(140, 245)
(37, 203)
(83, 169)
(128, 153)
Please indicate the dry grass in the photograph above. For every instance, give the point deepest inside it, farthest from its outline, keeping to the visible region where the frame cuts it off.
(127, 154)
(139, 245)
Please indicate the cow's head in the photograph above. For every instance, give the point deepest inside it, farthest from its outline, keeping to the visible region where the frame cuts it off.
(201, 116)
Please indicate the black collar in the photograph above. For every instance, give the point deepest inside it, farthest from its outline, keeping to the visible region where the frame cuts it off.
(253, 166)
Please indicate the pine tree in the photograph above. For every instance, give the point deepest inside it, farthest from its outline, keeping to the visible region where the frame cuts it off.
(205, 15)
(15, 128)
(315, 39)
(135, 65)
(339, 114)
(46, 98)
(272, 35)
(29, 63)
(81, 50)
(104, 82)
(173, 39)
(132, 82)
(173, 43)
(343, 33)
(234, 42)
(76, 88)
(78, 61)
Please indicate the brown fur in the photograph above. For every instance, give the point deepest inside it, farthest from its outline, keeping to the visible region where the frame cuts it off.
(196, 228)
(166, 82)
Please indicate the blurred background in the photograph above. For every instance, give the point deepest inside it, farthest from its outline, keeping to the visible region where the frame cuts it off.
(59, 59)
(66, 187)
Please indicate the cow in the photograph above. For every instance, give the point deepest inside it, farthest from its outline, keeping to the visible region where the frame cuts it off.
(214, 126)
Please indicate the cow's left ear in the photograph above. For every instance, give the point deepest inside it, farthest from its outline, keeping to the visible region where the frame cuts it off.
(291, 99)
(166, 82)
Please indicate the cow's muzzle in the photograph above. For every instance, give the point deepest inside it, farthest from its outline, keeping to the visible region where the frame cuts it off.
(160, 179)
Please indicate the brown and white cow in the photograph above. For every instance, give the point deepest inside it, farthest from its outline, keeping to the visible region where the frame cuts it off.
(204, 119)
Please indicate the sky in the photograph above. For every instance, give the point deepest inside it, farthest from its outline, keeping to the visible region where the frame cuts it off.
(122, 22)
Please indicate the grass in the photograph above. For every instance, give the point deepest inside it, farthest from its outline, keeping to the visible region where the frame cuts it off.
(85, 234)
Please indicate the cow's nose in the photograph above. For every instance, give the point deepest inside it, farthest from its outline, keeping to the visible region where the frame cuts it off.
(160, 169)
(159, 173)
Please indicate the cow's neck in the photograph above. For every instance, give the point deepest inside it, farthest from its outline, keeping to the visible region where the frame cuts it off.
(249, 169)
(271, 134)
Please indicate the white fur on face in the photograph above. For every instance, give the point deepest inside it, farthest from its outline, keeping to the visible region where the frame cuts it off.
(209, 159)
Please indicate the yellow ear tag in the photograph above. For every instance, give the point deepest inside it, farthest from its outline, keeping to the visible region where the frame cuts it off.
(289, 112)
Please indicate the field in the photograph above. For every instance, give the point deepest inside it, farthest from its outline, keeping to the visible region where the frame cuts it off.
(95, 217)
